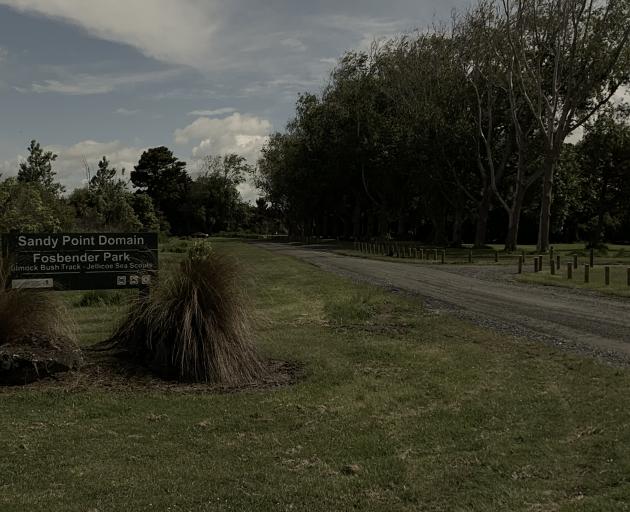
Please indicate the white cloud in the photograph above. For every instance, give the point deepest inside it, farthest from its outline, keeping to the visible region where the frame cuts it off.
(4, 53)
(70, 163)
(294, 44)
(212, 113)
(125, 111)
(178, 32)
(238, 133)
(84, 84)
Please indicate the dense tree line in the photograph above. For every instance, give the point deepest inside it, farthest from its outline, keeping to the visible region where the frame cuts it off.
(158, 195)
(459, 133)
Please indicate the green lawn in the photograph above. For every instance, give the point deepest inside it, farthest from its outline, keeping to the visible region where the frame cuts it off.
(433, 413)
(618, 279)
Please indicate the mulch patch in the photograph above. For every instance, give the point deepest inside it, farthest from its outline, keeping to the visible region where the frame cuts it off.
(104, 371)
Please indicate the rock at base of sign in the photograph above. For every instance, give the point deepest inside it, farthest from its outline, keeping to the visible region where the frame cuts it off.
(29, 358)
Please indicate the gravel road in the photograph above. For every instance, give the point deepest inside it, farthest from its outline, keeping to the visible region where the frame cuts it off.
(489, 296)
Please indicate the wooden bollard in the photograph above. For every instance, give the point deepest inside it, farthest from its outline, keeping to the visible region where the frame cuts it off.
(535, 264)
(558, 261)
(607, 275)
(421, 254)
(540, 263)
(569, 270)
(575, 261)
(628, 276)
(523, 256)
(591, 258)
(552, 267)
(496, 256)
(443, 256)
(551, 252)
(587, 273)
(435, 254)
(469, 255)
(520, 264)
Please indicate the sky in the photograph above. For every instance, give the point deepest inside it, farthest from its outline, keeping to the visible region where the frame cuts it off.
(93, 78)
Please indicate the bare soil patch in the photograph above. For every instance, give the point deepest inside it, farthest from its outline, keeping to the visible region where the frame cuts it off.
(107, 371)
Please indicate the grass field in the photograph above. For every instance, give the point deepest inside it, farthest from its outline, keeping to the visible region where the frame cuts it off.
(618, 279)
(400, 410)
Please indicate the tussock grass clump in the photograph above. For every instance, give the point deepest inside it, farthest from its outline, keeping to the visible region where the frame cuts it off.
(24, 313)
(196, 324)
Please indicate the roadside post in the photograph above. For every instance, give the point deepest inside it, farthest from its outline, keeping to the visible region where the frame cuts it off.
(591, 258)
(569, 270)
(575, 261)
(520, 264)
(587, 274)
(607, 275)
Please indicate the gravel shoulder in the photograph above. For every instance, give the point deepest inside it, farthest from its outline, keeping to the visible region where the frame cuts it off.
(488, 295)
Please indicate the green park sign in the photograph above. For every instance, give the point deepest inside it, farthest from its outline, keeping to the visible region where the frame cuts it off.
(81, 261)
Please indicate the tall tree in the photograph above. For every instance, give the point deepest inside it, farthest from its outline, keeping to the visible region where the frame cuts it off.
(605, 154)
(215, 195)
(569, 57)
(106, 203)
(38, 168)
(164, 178)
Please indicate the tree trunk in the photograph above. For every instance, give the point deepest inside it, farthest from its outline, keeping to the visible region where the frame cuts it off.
(482, 217)
(383, 223)
(457, 228)
(356, 220)
(514, 219)
(545, 206)
(401, 231)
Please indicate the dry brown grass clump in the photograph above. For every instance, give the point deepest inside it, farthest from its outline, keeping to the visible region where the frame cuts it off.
(24, 313)
(195, 325)
(37, 336)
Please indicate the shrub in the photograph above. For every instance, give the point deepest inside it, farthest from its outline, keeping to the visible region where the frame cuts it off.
(195, 325)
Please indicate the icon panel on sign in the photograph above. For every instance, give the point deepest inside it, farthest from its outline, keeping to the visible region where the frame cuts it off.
(121, 280)
(134, 280)
(146, 279)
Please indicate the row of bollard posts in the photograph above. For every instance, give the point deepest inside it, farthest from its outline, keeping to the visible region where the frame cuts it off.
(394, 250)
(397, 251)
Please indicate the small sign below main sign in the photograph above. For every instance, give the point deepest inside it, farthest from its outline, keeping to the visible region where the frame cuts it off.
(81, 261)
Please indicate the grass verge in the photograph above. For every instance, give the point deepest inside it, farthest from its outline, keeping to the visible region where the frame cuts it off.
(401, 410)
(618, 280)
